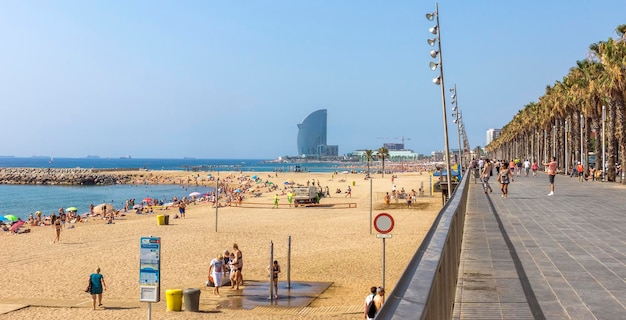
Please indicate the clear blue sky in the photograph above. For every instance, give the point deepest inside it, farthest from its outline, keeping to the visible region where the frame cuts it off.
(232, 79)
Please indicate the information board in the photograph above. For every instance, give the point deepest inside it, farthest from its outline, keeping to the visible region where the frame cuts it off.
(149, 269)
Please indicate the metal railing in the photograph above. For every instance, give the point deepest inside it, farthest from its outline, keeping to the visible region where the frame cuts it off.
(427, 287)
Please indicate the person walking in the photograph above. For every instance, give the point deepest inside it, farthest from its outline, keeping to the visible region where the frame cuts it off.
(526, 167)
(181, 209)
(275, 270)
(379, 299)
(552, 165)
(370, 306)
(96, 286)
(486, 174)
(581, 172)
(216, 270)
(275, 201)
(535, 167)
(505, 177)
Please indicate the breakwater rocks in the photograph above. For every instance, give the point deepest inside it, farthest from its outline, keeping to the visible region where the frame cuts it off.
(47, 176)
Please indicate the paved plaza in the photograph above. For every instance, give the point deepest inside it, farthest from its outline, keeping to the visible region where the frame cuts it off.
(534, 256)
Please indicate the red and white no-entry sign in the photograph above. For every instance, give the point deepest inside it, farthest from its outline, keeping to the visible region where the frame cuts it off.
(383, 223)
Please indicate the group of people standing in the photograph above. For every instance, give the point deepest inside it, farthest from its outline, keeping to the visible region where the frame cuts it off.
(226, 262)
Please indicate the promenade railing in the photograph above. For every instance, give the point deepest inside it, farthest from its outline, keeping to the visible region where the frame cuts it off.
(426, 289)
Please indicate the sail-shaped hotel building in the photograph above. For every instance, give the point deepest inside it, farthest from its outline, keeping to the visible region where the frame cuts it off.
(312, 133)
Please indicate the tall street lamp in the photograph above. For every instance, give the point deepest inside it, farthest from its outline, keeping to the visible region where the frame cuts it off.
(439, 81)
(603, 145)
(456, 113)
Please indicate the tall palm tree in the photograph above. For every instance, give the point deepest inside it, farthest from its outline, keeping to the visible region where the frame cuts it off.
(369, 155)
(382, 154)
(613, 57)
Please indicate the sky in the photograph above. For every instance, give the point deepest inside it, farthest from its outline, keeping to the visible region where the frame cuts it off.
(232, 79)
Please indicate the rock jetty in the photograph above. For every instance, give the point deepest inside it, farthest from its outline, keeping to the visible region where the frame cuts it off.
(49, 176)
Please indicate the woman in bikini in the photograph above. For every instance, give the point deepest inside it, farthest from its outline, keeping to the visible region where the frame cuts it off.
(239, 266)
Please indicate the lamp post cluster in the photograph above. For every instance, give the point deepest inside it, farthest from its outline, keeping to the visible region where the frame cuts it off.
(439, 81)
(458, 117)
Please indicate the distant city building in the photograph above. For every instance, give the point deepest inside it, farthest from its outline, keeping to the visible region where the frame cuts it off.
(437, 156)
(312, 137)
(492, 134)
(394, 155)
(394, 146)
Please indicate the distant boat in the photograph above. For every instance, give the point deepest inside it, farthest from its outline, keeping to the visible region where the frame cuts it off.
(126, 157)
(92, 156)
(51, 160)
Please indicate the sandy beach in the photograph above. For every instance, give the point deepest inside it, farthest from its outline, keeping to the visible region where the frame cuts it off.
(329, 244)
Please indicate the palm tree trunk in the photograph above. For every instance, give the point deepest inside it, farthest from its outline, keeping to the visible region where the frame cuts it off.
(612, 142)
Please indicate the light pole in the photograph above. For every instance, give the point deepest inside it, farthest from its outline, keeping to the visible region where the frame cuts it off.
(439, 81)
(566, 130)
(457, 119)
(582, 151)
(603, 144)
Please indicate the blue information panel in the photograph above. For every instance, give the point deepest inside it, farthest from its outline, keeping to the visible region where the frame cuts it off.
(149, 269)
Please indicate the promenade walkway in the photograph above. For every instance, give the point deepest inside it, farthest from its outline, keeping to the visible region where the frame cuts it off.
(532, 256)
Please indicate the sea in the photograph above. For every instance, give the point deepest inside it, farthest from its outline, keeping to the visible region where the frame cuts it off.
(22, 200)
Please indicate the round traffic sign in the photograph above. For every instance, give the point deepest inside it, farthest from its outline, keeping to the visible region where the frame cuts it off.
(383, 223)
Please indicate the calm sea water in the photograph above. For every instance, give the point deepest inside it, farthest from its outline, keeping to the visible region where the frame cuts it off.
(21, 200)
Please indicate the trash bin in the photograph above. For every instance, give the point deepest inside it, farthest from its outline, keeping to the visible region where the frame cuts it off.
(191, 296)
(160, 220)
(353, 183)
(167, 219)
(174, 299)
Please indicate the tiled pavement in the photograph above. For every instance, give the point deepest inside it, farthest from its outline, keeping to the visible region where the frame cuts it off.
(531, 256)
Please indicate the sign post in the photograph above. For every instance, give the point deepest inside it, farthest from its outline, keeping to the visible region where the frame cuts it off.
(149, 271)
(383, 224)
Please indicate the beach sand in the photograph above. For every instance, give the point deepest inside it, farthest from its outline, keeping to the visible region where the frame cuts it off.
(329, 244)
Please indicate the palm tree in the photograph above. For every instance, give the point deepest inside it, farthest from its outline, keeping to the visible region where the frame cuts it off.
(382, 154)
(369, 155)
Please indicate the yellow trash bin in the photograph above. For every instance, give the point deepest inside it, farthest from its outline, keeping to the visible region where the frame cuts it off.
(353, 183)
(174, 299)
(161, 220)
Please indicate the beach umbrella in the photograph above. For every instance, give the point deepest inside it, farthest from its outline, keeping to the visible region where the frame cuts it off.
(195, 194)
(254, 177)
(70, 209)
(11, 217)
(2, 218)
(147, 199)
(16, 225)
(137, 206)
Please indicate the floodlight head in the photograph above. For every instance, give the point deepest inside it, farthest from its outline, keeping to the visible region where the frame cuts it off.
(430, 16)
(437, 80)
(454, 121)
(434, 53)
(433, 30)
(433, 65)
(454, 96)
(455, 108)
(431, 42)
